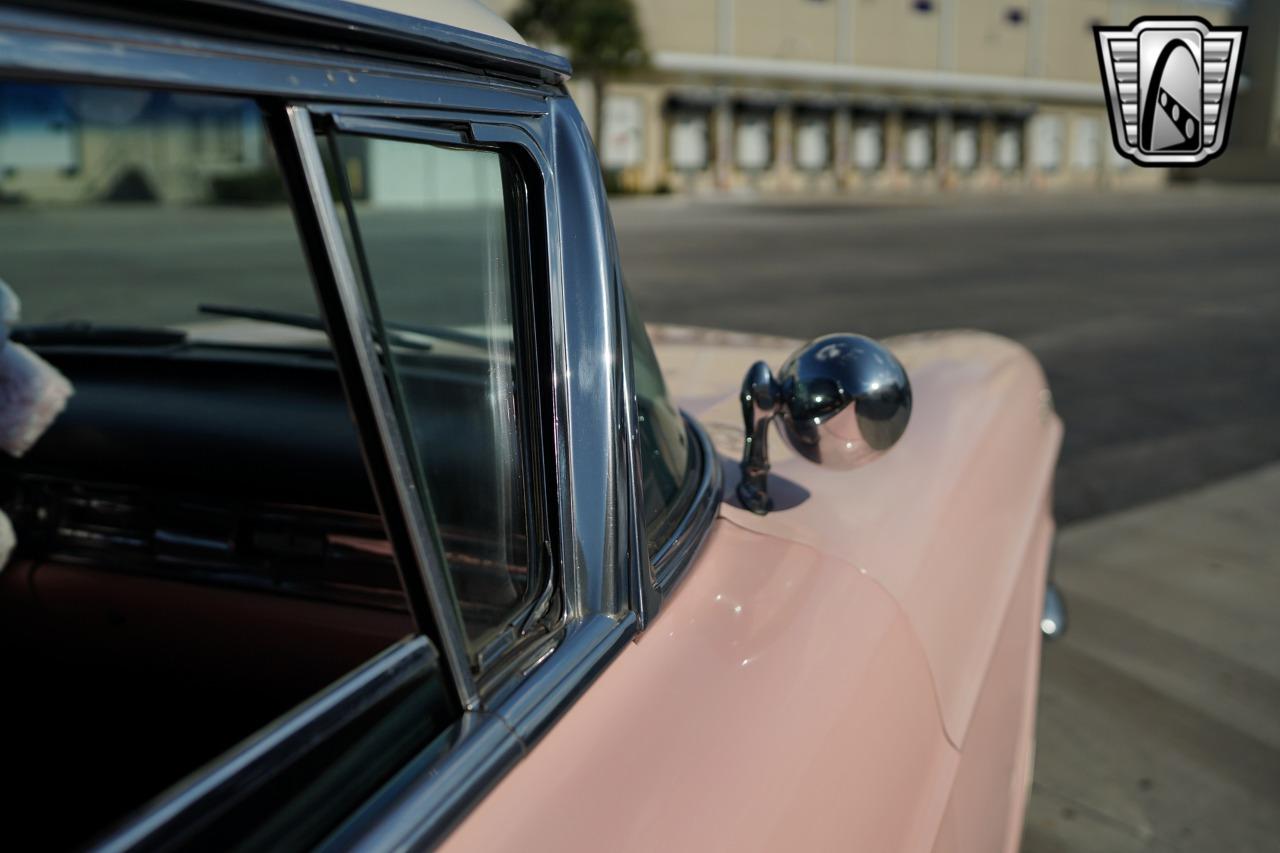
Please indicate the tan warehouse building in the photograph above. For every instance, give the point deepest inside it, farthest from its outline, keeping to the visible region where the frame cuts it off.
(836, 96)
(842, 95)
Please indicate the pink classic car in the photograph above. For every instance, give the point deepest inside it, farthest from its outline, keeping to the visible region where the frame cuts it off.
(373, 517)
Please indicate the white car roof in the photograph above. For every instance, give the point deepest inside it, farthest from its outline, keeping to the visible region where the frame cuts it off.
(464, 14)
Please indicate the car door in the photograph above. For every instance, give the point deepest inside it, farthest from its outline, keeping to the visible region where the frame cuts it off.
(509, 529)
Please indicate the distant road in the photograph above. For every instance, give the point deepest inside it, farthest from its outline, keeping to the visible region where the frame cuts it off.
(1157, 316)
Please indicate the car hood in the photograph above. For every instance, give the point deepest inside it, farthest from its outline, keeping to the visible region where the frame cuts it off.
(945, 522)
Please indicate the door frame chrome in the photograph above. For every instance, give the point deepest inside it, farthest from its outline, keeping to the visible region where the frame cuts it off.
(426, 585)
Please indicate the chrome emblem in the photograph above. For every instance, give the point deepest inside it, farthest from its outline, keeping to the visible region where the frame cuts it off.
(1170, 83)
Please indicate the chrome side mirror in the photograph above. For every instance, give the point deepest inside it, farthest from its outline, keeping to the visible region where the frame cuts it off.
(842, 401)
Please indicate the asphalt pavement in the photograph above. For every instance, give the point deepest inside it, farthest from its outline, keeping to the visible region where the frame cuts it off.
(1155, 315)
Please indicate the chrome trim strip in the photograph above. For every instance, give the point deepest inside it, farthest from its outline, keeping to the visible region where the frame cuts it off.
(396, 129)
(434, 792)
(633, 546)
(551, 689)
(36, 45)
(287, 738)
(1053, 619)
(585, 339)
(518, 105)
(426, 551)
(678, 553)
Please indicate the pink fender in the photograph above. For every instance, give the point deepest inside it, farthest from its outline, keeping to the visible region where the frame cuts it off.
(855, 670)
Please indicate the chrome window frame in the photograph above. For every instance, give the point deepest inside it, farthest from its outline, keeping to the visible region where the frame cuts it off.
(611, 584)
(466, 131)
(670, 561)
(657, 572)
(350, 313)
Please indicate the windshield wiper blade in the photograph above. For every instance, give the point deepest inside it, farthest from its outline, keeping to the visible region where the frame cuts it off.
(401, 334)
(298, 321)
(79, 333)
(265, 315)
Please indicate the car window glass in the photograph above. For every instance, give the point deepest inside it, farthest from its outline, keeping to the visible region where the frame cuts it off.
(198, 549)
(94, 174)
(430, 227)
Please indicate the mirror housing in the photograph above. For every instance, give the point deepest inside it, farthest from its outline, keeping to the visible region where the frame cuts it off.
(842, 401)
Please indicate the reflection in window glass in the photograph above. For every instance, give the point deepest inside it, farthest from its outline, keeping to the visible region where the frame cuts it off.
(131, 207)
(198, 549)
(432, 230)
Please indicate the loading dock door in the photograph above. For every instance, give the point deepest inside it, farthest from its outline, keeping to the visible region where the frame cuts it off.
(688, 141)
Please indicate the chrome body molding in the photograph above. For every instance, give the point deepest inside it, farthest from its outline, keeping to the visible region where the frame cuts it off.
(1053, 616)
(435, 793)
(550, 688)
(1053, 621)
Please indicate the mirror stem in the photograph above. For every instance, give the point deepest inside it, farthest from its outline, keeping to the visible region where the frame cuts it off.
(760, 398)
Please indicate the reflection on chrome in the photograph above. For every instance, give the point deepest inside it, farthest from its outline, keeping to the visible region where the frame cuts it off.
(842, 400)
(1053, 622)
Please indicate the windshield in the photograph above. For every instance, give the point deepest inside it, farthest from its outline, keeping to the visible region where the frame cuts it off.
(665, 466)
